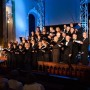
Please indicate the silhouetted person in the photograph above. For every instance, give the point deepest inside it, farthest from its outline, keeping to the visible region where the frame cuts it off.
(31, 83)
(13, 82)
(3, 82)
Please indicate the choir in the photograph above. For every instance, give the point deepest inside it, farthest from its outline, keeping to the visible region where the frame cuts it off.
(53, 45)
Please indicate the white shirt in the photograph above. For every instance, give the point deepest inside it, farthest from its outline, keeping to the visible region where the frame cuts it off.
(66, 43)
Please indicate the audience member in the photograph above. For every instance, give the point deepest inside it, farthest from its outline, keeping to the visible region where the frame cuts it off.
(13, 82)
(31, 83)
(3, 82)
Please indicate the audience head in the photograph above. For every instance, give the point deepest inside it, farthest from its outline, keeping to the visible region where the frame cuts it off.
(30, 79)
(14, 74)
(3, 81)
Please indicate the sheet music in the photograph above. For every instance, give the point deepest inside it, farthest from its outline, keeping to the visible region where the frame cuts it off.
(77, 41)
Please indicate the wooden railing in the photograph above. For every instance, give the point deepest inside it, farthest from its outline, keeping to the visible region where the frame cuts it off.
(80, 71)
(3, 58)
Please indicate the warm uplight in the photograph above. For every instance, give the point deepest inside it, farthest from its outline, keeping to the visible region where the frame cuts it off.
(8, 21)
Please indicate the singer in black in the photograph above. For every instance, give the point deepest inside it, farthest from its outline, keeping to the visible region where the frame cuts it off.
(45, 50)
(55, 50)
(34, 54)
(67, 50)
(9, 55)
(27, 55)
(84, 49)
(75, 49)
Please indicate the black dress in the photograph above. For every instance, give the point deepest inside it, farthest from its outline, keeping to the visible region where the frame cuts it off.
(34, 56)
(40, 54)
(46, 53)
(20, 58)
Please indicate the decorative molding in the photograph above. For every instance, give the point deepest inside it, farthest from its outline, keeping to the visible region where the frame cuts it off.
(38, 11)
(36, 14)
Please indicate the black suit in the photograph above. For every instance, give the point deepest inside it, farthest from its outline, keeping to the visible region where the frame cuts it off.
(84, 50)
(75, 50)
(67, 51)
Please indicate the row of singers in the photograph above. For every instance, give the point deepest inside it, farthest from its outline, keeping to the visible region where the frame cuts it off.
(65, 50)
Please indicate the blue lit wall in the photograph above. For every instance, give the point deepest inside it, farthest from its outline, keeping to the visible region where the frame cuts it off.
(22, 8)
(62, 11)
(56, 12)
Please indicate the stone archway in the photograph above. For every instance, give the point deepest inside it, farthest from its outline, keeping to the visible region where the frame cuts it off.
(36, 14)
(31, 23)
(39, 12)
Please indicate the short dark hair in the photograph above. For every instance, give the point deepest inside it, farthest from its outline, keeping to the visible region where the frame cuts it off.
(14, 74)
(30, 78)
